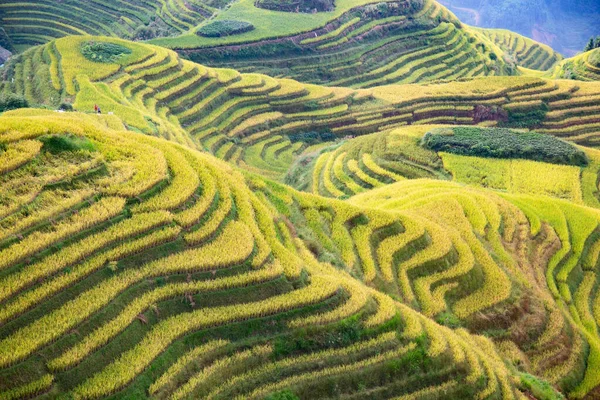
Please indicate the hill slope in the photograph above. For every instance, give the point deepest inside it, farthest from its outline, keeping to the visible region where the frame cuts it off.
(223, 234)
(156, 291)
(35, 22)
(526, 52)
(151, 220)
(358, 43)
(369, 46)
(261, 122)
(585, 67)
(365, 46)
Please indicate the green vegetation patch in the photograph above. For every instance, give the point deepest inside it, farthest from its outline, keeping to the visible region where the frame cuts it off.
(103, 52)
(10, 101)
(60, 143)
(305, 6)
(225, 27)
(284, 395)
(503, 143)
(312, 137)
(539, 388)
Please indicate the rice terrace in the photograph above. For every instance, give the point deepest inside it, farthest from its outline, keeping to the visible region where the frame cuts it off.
(294, 199)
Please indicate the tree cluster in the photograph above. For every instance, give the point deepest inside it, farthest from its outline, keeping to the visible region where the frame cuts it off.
(12, 101)
(594, 43)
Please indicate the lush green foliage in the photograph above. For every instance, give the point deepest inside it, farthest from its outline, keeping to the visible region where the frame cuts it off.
(594, 43)
(59, 143)
(594, 58)
(504, 143)
(225, 28)
(312, 137)
(306, 6)
(103, 52)
(12, 101)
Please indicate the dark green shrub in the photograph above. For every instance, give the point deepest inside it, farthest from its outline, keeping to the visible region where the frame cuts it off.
(305, 6)
(66, 107)
(312, 137)
(526, 119)
(147, 32)
(593, 44)
(60, 143)
(225, 28)
(360, 219)
(12, 101)
(503, 143)
(144, 33)
(103, 52)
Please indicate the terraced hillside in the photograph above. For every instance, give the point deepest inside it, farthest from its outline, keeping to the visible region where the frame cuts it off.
(376, 160)
(115, 280)
(585, 67)
(28, 23)
(507, 236)
(260, 122)
(372, 46)
(223, 234)
(361, 43)
(367, 162)
(368, 46)
(527, 53)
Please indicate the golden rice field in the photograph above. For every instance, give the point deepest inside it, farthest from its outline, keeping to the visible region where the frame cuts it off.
(585, 67)
(218, 233)
(115, 279)
(250, 119)
(129, 279)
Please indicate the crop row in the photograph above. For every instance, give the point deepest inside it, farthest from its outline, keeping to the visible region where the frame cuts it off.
(39, 22)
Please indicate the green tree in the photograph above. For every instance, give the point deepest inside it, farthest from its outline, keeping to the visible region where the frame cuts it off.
(591, 44)
(12, 101)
